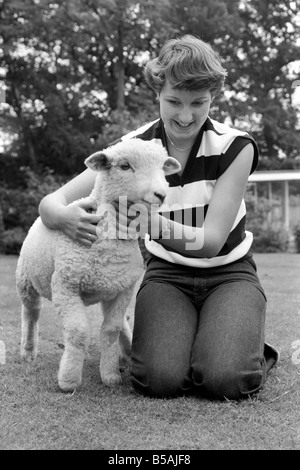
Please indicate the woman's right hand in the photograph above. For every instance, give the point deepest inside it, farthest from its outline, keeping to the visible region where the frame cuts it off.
(78, 221)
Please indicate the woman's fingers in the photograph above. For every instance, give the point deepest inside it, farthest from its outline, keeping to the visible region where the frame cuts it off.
(131, 221)
(87, 203)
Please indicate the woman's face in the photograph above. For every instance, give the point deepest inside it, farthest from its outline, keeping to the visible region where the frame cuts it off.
(183, 112)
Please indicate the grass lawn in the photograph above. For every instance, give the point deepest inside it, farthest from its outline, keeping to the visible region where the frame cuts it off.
(34, 414)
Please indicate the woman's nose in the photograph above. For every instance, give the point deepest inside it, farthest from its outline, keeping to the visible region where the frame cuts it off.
(185, 116)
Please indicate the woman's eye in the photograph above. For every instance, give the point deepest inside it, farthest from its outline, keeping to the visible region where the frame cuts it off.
(125, 166)
(202, 102)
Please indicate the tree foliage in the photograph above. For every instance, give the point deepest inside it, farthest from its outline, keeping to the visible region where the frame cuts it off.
(73, 72)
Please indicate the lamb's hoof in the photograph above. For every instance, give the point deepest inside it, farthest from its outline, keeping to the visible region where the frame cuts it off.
(68, 386)
(28, 355)
(111, 380)
(68, 382)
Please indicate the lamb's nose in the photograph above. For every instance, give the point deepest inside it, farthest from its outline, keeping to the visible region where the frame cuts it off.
(161, 197)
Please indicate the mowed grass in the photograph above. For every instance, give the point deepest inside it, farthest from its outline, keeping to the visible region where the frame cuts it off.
(34, 414)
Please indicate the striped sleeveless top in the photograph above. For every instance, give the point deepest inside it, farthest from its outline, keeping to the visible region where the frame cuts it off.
(216, 146)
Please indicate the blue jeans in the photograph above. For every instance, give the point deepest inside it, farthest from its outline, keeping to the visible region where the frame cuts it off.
(200, 331)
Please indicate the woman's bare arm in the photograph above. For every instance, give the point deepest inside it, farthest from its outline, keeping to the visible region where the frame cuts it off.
(63, 211)
(223, 208)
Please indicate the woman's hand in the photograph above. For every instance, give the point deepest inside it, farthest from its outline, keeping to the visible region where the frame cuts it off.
(78, 222)
(70, 208)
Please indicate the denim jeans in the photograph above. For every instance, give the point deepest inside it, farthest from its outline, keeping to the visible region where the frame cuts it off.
(200, 331)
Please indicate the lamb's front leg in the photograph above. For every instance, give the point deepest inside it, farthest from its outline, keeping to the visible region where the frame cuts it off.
(76, 339)
(113, 323)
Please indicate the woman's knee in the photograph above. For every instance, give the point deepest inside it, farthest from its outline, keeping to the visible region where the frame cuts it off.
(229, 382)
(159, 382)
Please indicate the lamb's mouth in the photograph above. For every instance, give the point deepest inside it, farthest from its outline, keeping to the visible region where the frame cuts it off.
(148, 203)
(159, 202)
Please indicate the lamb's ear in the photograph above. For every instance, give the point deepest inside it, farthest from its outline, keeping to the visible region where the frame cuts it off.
(99, 161)
(171, 166)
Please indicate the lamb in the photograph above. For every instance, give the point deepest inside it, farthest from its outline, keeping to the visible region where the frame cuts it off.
(72, 276)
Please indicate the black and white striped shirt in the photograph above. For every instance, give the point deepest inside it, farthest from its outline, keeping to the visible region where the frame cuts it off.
(215, 148)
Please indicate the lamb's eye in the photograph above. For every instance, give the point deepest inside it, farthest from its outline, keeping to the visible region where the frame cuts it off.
(125, 166)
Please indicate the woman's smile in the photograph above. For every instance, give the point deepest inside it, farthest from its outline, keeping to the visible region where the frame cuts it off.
(183, 125)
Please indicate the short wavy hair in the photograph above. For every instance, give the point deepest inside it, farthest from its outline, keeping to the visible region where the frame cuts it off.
(187, 63)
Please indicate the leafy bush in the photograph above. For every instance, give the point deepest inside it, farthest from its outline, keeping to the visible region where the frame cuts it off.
(269, 233)
(19, 208)
(12, 240)
(121, 123)
(297, 237)
(1, 231)
(270, 240)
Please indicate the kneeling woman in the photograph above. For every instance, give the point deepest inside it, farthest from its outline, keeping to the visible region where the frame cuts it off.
(200, 310)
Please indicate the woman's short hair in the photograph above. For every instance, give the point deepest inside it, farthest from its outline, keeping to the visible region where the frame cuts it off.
(188, 63)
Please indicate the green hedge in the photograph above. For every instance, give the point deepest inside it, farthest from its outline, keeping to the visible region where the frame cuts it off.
(19, 208)
(297, 237)
(269, 233)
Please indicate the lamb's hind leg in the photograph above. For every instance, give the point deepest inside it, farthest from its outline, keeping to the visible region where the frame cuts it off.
(31, 306)
(113, 325)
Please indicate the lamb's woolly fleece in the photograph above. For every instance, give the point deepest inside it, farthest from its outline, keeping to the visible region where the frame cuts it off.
(53, 266)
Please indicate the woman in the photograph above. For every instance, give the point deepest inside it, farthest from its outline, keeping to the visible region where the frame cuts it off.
(200, 311)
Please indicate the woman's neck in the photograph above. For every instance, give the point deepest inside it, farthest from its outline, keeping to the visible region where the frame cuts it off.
(181, 157)
(180, 148)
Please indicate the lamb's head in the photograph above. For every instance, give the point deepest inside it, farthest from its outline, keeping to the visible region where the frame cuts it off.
(135, 169)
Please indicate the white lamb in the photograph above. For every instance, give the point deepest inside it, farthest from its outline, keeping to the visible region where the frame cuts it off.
(72, 276)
